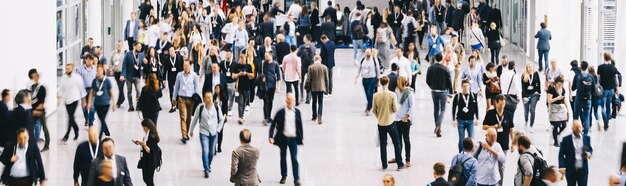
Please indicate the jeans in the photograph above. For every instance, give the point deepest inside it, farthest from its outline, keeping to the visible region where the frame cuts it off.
(120, 88)
(439, 101)
(318, 103)
(529, 109)
(495, 55)
(557, 128)
(237, 53)
(584, 108)
(292, 143)
(464, 125)
(329, 88)
(403, 133)
(291, 87)
(575, 111)
(392, 130)
(369, 85)
(397, 33)
(607, 99)
(597, 102)
(37, 127)
(543, 55)
(102, 111)
(231, 95)
(208, 150)
(268, 103)
(356, 45)
(89, 114)
(130, 82)
(244, 98)
(576, 176)
(291, 40)
(71, 124)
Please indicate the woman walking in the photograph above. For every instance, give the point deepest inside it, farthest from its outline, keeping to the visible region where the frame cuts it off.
(150, 151)
(531, 91)
(384, 41)
(492, 85)
(148, 102)
(558, 108)
(493, 36)
(596, 101)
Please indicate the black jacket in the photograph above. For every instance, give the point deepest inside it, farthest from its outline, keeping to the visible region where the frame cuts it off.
(33, 162)
(456, 19)
(123, 175)
(167, 67)
(395, 22)
(536, 86)
(279, 124)
(435, 74)
(329, 29)
(208, 85)
(330, 11)
(20, 118)
(4, 124)
(147, 160)
(376, 20)
(82, 161)
(315, 14)
(149, 100)
(495, 16)
(282, 49)
(266, 29)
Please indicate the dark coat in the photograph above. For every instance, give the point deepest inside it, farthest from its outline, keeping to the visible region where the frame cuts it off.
(128, 66)
(567, 154)
(328, 54)
(329, 29)
(167, 66)
(147, 160)
(123, 175)
(20, 118)
(82, 161)
(282, 50)
(266, 29)
(33, 162)
(149, 100)
(330, 11)
(279, 125)
(208, 85)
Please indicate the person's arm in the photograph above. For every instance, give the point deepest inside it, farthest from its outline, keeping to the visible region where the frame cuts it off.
(477, 114)
(234, 166)
(194, 120)
(113, 100)
(176, 87)
(127, 179)
(455, 102)
(124, 62)
(273, 126)
(76, 169)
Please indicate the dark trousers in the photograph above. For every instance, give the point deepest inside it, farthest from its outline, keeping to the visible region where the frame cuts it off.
(439, 101)
(244, 97)
(397, 33)
(148, 176)
(120, 87)
(152, 116)
(329, 89)
(24, 181)
(318, 103)
(268, 102)
(171, 81)
(543, 59)
(420, 36)
(403, 132)
(495, 55)
(576, 177)
(293, 150)
(130, 41)
(252, 92)
(583, 107)
(71, 124)
(102, 114)
(557, 128)
(291, 87)
(369, 85)
(392, 130)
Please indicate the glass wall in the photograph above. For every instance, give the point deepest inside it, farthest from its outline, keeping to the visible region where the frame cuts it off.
(70, 32)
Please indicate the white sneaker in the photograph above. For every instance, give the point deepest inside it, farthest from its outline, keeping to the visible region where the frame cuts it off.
(230, 113)
(531, 130)
(247, 108)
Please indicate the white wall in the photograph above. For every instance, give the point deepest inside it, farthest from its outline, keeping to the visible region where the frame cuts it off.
(28, 42)
(620, 39)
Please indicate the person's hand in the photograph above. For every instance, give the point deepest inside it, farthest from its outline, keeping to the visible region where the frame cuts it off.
(42, 182)
(455, 123)
(476, 122)
(190, 134)
(121, 78)
(14, 158)
(271, 140)
(562, 170)
(356, 80)
(114, 107)
(173, 102)
(405, 119)
(588, 155)
(88, 106)
(297, 33)
(571, 99)
(485, 145)
(263, 79)
(76, 184)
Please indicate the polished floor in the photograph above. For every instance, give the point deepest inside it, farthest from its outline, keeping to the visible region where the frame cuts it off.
(342, 151)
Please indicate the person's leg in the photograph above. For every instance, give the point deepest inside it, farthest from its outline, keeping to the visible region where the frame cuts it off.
(220, 137)
(497, 56)
(382, 137)
(231, 96)
(320, 100)
(576, 108)
(397, 146)
(545, 58)
(355, 48)
(241, 103)
(212, 140)
(293, 150)
(442, 106)
(582, 178)
(606, 110)
(101, 111)
(70, 108)
(570, 176)
(314, 106)
(204, 144)
(129, 92)
(585, 115)
(252, 93)
(148, 176)
(120, 88)
(461, 132)
(404, 129)
(283, 160)
(37, 128)
(555, 131)
(46, 133)
(369, 84)
(182, 110)
(594, 108)
(492, 52)
(533, 104)
(526, 110)
(436, 107)
(539, 62)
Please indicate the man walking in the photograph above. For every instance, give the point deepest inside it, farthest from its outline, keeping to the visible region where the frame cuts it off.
(359, 34)
(185, 87)
(22, 162)
(584, 86)
(88, 73)
(270, 77)
(384, 107)
(71, 90)
(85, 153)
(574, 155)
(607, 75)
(289, 134)
(132, 73)
(328, 59)
(543, 45)
(120, 174)
(489, 155)
(243, 162)
(115, 69)
(306, 52)
(293, 74)
(317, 80)
(244, 75)
(439, 90)
(131, 30)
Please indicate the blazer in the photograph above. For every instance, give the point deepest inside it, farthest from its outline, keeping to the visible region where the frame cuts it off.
(543, 39)
(261, 52)
(317, 77)
(328, 54)
(330, 11)
(208, 85)
(123, 175)
(279, 124)
(167, 66)
(267, 29)
(33, 162)
(164, 49)
(135, 29)
(147, 160)
(82, 161)
(282, 50)
(21, 118)
(128, 67)
(329, 29)
(567, 152)
(243, 166)
(149, 100)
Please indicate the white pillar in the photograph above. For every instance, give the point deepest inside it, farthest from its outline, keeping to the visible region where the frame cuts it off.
(94, 21)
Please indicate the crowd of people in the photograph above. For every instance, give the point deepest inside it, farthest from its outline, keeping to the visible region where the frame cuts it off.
(211, 55)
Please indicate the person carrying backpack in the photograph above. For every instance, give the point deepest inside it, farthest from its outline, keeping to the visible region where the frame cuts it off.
(530, 165)
(584, 86)
(359, 34)
(464, 166)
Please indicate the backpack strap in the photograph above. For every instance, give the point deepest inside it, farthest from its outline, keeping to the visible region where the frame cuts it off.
(200, 113)
(480, 148)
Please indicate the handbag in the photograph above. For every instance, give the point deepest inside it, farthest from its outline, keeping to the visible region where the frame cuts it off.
(511, 102)
(502, 41)
(494, 87)
(558, 112)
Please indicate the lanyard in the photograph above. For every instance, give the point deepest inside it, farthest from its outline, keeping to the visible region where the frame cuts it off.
(93, 153)
(101, 84)
(173, 61)
(499, 118)
(531, 80)
(466, 100)
(162, 45)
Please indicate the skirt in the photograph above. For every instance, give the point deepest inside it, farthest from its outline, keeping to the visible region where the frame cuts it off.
(558, 112)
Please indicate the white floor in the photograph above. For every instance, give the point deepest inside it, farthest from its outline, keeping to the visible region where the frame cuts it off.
(342, 151)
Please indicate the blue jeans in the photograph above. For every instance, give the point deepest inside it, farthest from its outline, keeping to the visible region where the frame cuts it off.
(597, 102)
(292, 143)
(584, 109)
(208, 150)
(543, 55)
(395, 139)
(464, 125)
(318, 103)
(90, 114)
(37, 128)
(291, 40)
(607, 98)
(356, 45)
(369, 85)
(529, 109)
(439, 101)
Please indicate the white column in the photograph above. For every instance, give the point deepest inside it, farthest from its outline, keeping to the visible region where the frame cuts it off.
(94, 21)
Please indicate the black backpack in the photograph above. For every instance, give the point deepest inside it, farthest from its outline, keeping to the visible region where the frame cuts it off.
(598, 91)
(359, 32)
(585, 87)
(410, 29)
(539, 167)
(158, 160)
(456, 174)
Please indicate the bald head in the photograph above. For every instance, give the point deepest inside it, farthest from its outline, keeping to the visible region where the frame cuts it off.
(491, 136)
(577, 128)
(93, 135)
(245, 136)
(614, 180)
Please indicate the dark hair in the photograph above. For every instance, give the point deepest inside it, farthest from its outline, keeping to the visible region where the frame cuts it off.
(308, 37)
(543, 25)
(21, 130)
(19, 97)
(245, 136)
(375, 9)
(511, 65)
(293, 48)
(524, 141)
(330, 3)
(394, 67)
(499, 98)
(470, 58)
(136, 43)
(323, 37)
(490, 65)
(465, 81)
(584, 65)
(439, 168)
(153, 130)
(90, 57)
(384, 80)
(5, 93)
(438, 57)
(559, 79)
(468, 144)
(31, 72)
(107, 140)
(573, 63)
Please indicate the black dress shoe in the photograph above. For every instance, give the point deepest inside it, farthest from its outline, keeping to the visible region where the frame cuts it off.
(297, 183)
(131, 109)
(183, 140)
(206, 174)
(172, 110)
(44, 149)
(283, 180)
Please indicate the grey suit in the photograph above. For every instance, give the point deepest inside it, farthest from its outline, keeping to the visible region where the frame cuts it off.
(243, 166)
(123, 175)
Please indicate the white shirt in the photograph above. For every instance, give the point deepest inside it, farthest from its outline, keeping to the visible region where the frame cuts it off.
(131, 29)
(404, 65)
(113, 165)
(505, 81)
(216, 79)
(487, 165)
(294, 10)
(578, 148)
(570, 78)
(230, 27)
(153, 35)
(290, 123)
(292, 29)
(249, 10)
(19, 168)
(71, 88)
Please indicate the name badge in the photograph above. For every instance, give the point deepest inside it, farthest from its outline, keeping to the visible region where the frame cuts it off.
(439, 13)
(99, 93)
(500, 129)
(173, 69)
(465, 109)
(154, 69)
(159, 51)
(396, 22)
(228, 74)
(530, 87)
(136, 67)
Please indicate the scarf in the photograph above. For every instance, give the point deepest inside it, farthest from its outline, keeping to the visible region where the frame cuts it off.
(405, 94)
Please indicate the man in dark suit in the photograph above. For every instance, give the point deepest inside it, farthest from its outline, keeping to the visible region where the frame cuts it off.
(393, 77)
(289, 134)
(172, 64)
(495, 16)
(330, 11)
(121, 175)
(4, 117)
(85, 153)
(267, 29)
(328, 58)
(574, 155)
(329, 28)
(21, 116)
(132, 72)
(282, 48)
(162, 46)
(22, 161)
(131, 30)
(395, 22)
(266, 47)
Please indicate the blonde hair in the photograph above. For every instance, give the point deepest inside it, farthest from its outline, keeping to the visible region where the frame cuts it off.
(526, 76)
(493, 25)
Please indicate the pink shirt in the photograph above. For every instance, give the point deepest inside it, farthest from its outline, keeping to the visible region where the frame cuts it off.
(291, 67)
